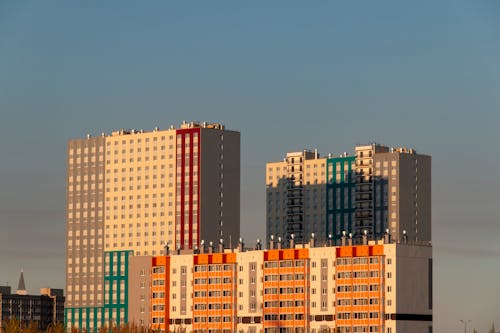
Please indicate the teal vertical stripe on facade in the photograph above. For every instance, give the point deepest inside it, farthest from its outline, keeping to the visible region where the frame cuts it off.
(80, 321)
(87, 319)
(340, 181)
(95, 318)
(113, 280)
(69, 323)
(113, 286)
(127, 257)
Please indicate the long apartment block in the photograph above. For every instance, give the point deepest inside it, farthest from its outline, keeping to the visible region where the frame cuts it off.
(377, 190)
(132, 192)
(373, 287)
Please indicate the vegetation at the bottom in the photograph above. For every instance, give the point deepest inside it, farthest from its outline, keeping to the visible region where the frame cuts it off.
(14, 326)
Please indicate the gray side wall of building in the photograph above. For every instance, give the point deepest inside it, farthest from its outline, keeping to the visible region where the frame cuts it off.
(220, 185)
(139, 290)
(408, 196)
(85, 222)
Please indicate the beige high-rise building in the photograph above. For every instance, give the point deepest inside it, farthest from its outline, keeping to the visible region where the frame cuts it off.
(295, 194)
(131, 193)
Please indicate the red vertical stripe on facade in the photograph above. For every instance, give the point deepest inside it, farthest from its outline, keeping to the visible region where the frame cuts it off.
(188, 223)
(183, 190)
(198, 185)
(191, 190)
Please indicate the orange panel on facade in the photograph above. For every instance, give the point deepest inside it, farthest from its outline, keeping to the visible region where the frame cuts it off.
(361, 251)
(302, 253)
(287, 254)
(215, 258)
(201, 259)
(345, 251)
(230, 258)
(377, 250)
(272, 255)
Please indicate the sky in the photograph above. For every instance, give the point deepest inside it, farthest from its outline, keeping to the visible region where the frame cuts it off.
(288, 75)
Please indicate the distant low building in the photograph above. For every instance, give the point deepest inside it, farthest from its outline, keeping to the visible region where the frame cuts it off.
(42, 310)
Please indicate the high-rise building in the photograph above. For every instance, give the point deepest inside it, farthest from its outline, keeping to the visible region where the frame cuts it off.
(377, 286)
(295, 190)
(379, 189)
(131, 193)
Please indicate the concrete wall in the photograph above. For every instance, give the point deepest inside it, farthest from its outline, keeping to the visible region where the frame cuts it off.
(85, 222)
(220, 185)
(139, 290)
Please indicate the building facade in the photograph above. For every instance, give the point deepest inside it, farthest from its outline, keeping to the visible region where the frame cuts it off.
(402, 194)
(296, 196)
(340, 195)
(379, 189)
(372, 287)
(131, 193)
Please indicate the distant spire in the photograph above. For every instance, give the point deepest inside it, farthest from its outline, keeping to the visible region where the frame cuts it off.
(21, 287)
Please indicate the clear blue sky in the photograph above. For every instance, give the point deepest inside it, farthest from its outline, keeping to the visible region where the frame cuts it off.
(288, 75)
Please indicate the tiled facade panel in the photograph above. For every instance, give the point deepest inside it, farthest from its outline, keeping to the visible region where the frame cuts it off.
(285, 288)
(296, 196)
(85, 222)
(360, 289)
(340, 196)
(114, 311)
(187, 220)
(214, 299)
(139, 191)
(160, 283)
(116, 285)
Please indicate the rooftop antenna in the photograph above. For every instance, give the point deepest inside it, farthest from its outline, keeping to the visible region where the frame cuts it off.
(343, 238)
(312, 240)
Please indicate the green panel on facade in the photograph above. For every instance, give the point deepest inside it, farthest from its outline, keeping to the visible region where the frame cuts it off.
(71, 321)
(115, 297)
(340, 191)
(116, 285)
